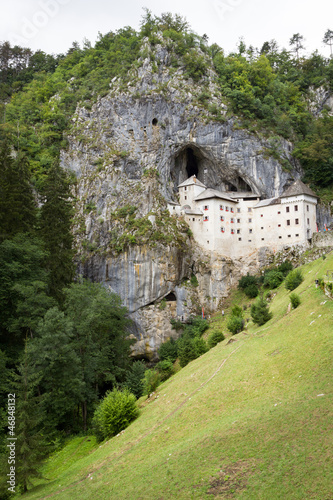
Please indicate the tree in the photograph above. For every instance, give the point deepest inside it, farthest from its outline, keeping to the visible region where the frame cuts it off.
(55, 357)
(296, 42)
(30, 448)
(55, 229)
(99, 325)
(134, 378)
(260, 312)
(17, 203)
(328, 39)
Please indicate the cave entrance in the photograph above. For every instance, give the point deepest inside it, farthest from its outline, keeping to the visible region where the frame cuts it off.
(191, 163)
(171, 297)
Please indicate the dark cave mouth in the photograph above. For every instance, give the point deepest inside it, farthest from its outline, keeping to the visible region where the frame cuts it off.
(191, 163)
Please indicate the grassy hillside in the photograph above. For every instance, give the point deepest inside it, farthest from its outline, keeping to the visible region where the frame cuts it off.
(250, 419)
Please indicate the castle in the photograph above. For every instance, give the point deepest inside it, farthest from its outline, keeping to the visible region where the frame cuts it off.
(236, 224)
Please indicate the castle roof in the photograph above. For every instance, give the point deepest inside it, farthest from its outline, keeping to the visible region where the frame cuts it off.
(243, 195)
(267, 202)
(212, 193)
(190, 181)
(193, 212)
(298, 187)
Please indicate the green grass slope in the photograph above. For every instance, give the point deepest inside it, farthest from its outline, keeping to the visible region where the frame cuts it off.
(250, 419)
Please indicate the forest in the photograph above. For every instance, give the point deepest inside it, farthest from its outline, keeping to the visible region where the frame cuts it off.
(63, 340)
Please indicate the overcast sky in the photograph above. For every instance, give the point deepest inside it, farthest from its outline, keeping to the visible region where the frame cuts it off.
(52, 25)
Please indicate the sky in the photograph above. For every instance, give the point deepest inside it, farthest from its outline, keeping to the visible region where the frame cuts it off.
(53, 25)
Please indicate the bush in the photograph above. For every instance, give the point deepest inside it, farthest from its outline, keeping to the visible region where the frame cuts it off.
(168, 351)
(285, 267)
(235, 324)
(151, 381)
(260, 312)
(251, 291)
(273, 279)
(237, 311)
(194, 280)
(134, 378)
(294, 279)
(186, 350)
(295, 300)
(214, 338)
(246, 281)
(199, 324)
(114, 413)
(165, 369)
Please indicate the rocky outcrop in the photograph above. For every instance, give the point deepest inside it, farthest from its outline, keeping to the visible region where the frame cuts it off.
(130, 151)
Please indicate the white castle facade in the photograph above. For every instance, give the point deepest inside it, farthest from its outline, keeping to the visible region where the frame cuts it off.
(236, 224)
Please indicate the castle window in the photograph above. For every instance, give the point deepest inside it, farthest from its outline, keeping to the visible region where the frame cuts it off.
(250, 231)
(289, 235)
(261, 228)
(193, 219)
(185, 188)
(232, 220)
(288, 222)
(232, 231)
(206, 218)
(279, 225)
(261, 215)
(262, 239)
(222, 230)
(250, 220)
(280, 237)
(297, 235)
(307, 208)
(222, 218)
(238, 231)
(279, 213)
(296, 221)
(221, 207)
(296, 208)
(227, 209)
(232, 209)
(287, 209)
(249, 241)
(308, 221)
(174, 208)
(206, 207)
(249, 209)
(185, 197)
(238, 221)
(239, 239)
(238, 210)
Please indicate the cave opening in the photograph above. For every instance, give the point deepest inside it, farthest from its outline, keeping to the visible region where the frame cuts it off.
(171, 297)
(191, 163)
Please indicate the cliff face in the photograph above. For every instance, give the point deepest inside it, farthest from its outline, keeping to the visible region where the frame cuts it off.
(129, 153)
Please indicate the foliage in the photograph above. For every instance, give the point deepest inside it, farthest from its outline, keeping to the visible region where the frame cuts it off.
(114, 413)
(285, 267)
(260, 312)
(235, 324)
(293, 279)
(168, 351)
(295, 300)
(134, 378)
(273, 278)
(151, 381)
(165, 369)
(55, 229)
(246, 281)
(251, 291)
(194, 280)
(214, 339)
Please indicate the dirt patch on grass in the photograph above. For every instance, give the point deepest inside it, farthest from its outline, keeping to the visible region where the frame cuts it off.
(231, 479)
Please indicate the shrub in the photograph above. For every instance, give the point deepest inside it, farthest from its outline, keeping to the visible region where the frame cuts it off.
(199, 324)
(194, 280)
(151, 381)
(273, 279)
(294, 279)
(237, 311)
(168, 351)
(186, 350)
(235, 324)
(260, 312)
(251, 291)
(165, 369)
(176, 324)
(295, 300)
(285, 267)
(114, 413)
(214, 338)
(246, 281)
(134, 378)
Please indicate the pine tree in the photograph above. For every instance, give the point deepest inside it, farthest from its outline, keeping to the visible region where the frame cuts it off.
(30, 448)
(260, 312)
(55, 229)
(17, 202)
